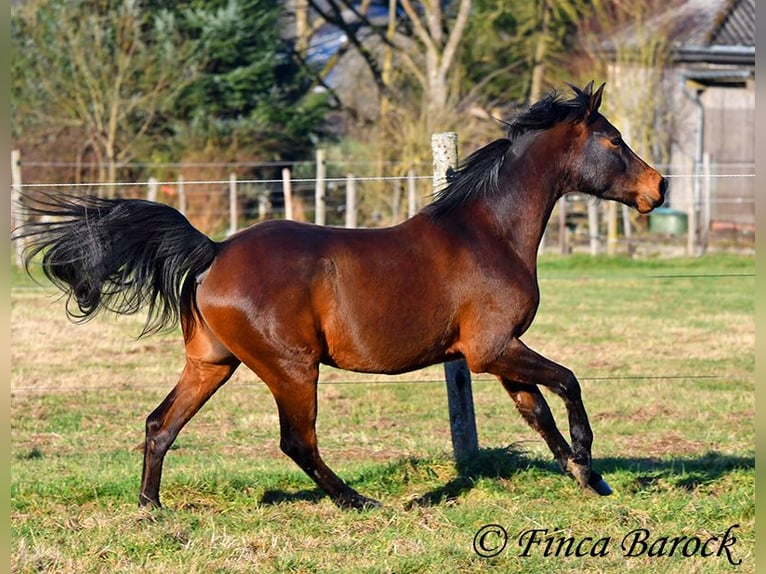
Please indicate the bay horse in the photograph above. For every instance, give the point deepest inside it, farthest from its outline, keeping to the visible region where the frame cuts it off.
(458, 279)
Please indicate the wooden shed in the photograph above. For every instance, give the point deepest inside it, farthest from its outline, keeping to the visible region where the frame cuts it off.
(715, 72)
(703, 102)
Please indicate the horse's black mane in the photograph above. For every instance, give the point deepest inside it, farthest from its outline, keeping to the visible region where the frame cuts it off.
(478, 174)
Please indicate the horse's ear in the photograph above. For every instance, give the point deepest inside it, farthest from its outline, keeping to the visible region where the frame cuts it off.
(595, 98)
(586, 91)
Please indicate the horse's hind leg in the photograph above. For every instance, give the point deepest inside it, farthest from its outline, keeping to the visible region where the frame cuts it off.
(533, 407)
(208, 366)
(297, 405)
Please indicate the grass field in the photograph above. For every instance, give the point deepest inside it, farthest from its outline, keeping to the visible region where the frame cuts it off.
(665, 353)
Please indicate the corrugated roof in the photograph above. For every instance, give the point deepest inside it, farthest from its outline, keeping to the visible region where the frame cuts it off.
(712, 31)
(735, 25)
(690, 23)
(683, 23)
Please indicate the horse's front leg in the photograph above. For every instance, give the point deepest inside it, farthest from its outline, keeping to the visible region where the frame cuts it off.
(520, 369)
(535, 410)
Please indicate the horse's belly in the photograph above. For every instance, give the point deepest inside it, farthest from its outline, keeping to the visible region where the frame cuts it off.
(387, 344)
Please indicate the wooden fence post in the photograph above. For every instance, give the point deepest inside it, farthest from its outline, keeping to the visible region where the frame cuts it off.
(412, 197)
(350, 201)
(462, 418)
(706, 210)
(627, 230)
(152, 186)
(232, 203)
(319, 189)
(181, 194)
(16, 217)
(563, 243)
(396, 200)
(263, 205)
(593, 232)
(287, 190)
(691, 238)
(611, 227)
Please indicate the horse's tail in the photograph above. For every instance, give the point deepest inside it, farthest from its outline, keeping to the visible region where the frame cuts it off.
(118, 254)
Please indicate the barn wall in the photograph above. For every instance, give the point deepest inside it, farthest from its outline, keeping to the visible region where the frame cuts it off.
(730, 141)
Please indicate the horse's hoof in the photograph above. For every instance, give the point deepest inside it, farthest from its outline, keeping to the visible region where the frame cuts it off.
(356, 501)
(144, 502)
(600, 487)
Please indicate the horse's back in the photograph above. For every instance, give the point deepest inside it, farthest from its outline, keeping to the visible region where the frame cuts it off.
(361, 299)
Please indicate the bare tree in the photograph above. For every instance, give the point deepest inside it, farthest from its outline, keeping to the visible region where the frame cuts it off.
(439, 45)
(425, 43)
(106, 69)
(632, 50)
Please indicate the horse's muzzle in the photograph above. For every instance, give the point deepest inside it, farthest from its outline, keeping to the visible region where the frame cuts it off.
(652, 198)
(663, 191)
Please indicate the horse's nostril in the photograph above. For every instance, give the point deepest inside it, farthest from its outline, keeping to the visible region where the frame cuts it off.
(663, 186)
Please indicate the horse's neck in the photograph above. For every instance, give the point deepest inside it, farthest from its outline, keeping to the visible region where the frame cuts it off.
(523, 207)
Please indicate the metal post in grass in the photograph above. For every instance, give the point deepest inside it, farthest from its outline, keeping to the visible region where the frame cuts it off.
(462, 419)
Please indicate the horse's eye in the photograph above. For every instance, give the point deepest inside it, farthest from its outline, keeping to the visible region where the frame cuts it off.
(616, 141)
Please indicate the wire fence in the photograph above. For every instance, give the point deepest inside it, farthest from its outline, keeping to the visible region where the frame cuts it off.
(257, 384)
(244, 201)
(371, 380)
(381, 199)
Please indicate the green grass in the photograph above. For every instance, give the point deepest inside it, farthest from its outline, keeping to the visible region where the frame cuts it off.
(666, 366)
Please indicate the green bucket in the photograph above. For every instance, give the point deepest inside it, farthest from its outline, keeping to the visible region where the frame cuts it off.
(668, 221)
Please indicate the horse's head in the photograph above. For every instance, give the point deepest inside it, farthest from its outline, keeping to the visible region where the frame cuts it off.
(604, 165)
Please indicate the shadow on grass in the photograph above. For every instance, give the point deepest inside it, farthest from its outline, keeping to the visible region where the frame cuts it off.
(648, 473)
(687, 472)
(280, 496)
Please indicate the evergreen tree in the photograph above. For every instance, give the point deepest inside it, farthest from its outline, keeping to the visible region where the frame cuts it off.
(250, 95)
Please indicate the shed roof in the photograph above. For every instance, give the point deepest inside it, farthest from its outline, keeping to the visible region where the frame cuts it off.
(735, 25)
(704, 31)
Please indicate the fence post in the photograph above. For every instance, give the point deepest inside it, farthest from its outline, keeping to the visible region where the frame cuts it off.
(232, 203)
(563, 243)
(462, 418)
(350, 200)
(593, 228)
(691, 238)
(396, 200)
(706, 207)
(319, 190)
(16, 216)
(287, 190)
(181, 194)
(611, 227)
(627, 230)
(152, 186)
(412, 197)
(263, 205)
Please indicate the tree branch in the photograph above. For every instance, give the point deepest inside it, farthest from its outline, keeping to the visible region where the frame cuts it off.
(417, 26)
(455, 36)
